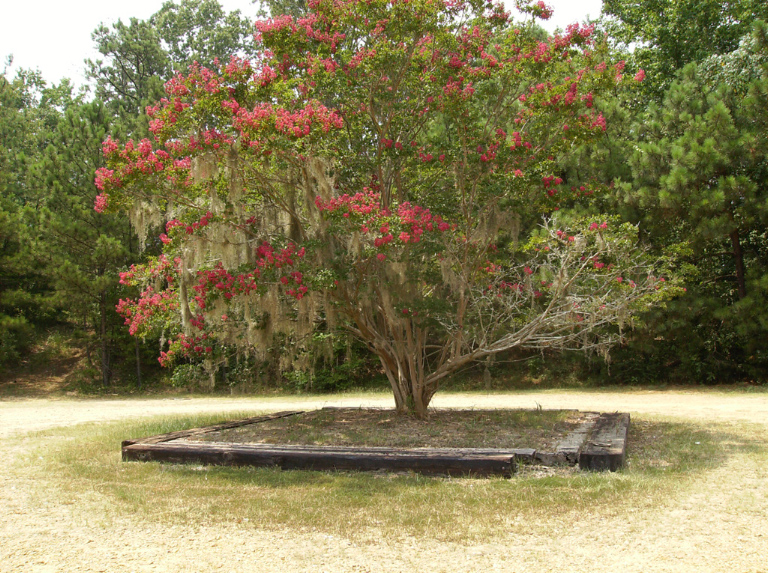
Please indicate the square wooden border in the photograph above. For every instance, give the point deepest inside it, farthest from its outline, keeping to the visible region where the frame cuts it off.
(599, 444)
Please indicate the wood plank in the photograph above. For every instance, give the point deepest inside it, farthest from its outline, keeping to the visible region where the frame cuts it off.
(567, 450)
(606, 447)
(422, 460)
(207, 429)
(524, 453)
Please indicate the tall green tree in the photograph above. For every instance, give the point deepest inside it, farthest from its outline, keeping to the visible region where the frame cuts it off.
(131, 72)
(29, 111)
(201, 31)
(274, 8)
(81, 251)
(699, 180)
(666, 35)
(137, 58)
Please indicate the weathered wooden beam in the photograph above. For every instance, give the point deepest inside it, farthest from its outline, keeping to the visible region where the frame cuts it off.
(422, 460)
(568, 449)
(606, 447)
(207, 429)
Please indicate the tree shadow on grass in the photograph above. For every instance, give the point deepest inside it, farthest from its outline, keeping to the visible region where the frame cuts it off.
(680, 447)
(654, 447)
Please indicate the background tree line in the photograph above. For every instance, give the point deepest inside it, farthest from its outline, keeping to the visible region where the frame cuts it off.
(684, 157)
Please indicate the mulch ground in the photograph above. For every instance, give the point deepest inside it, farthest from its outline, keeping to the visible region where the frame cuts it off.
(538, 429)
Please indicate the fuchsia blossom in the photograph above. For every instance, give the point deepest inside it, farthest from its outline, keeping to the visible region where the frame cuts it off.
(103, 176)
(101, 202)
(109, 146)
(366, 205)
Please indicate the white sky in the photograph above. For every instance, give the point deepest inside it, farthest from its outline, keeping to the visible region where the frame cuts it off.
(54, 36)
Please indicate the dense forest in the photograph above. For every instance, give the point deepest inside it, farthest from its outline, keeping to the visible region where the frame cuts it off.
(682, 156)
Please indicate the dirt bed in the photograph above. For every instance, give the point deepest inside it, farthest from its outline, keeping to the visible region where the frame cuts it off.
(720, 523)
(376, 427)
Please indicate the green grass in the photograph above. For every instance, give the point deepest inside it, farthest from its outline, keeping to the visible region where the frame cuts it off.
(83, 465)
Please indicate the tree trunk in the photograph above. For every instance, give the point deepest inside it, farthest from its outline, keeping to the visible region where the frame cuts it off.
(402, 360)
(103, 332)
(738, 259)
(138, 364)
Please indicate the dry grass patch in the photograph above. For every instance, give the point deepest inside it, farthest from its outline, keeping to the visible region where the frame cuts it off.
(82, 465)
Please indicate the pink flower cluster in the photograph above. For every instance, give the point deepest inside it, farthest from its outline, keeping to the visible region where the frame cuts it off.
(574, 34)
(161, 268)
(296, 123)
(133, 160)
(104, 177)
(186, 346)
(102, 200)
(269, 256)
(457, 88)
(418, 220)
(550, 182)
(363, 203)
(310, 26)
(517, 142)
(150, 303)
(199, 77)
(220, 282)
(413, 219)
(138, 313)
(189, 229)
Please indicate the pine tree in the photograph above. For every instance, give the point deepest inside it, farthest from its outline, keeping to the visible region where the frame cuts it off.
(28, 110)
(82, 251)
(699, 181)
(666, 35)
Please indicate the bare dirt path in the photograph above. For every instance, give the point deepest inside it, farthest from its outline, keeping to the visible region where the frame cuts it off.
(719, 524)
(41, 413)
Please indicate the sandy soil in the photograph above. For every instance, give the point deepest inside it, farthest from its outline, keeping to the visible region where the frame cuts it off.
(720, 524)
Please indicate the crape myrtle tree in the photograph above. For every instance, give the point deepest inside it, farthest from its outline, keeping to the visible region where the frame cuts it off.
(368, 171)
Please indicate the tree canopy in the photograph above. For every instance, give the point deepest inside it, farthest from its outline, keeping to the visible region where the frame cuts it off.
(666, 35)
